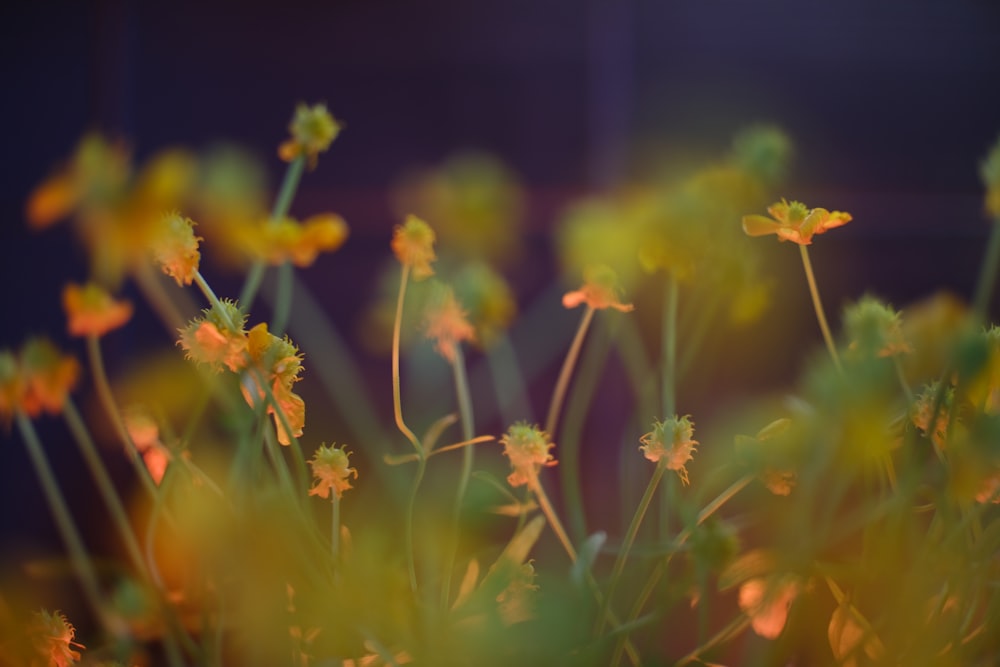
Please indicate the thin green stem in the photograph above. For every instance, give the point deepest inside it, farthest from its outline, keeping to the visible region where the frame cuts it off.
(397, 406)
(535, 485)
(669, 355)
(114, 415)
(818, 306)
(669, 379)
(468, 427)
(551, 421)
(987, 274)
(81, 563)
(105, 487)
(411, 556)
(335, 527)
(281, 205)
(735, 627)
(629, 540)
(661, 566)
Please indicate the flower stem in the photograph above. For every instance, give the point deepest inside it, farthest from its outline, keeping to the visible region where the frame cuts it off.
(987, 274)
(281, 205)
(396, 402)
(567, 371)
(535, 485)
(113, 414)
(679, 541)
(105, 487)
(669, 380)
(818, 306)
(735, 627)
(335, 527)
(629, 539)
(81, 563)
(468, 427)
(411, 505)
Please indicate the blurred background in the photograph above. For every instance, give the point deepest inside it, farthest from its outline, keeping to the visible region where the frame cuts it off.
(890, 106)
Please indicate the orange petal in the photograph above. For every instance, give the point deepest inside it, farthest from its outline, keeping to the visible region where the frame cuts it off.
(52, 201)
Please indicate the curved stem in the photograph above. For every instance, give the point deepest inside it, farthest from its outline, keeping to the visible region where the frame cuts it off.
(629, 539)
(818, 307)
(411, 557)
(567, 371)
(468, 426)
(535, 485)
(397, 406)
(281, 205)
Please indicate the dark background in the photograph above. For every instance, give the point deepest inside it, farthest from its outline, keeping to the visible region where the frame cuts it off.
(891, 106)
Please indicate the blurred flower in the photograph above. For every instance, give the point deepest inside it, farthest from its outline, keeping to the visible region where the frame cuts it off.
(213, 341)
(923, 406)
(527, 447)
(11, 385)
(115, 214)
(488, 298)
(313, 129)
(764, 151)
(446, 322)
(989, 171)
(53, 637)
(874, 329)
(766, 600)
(604, 231)
(779, 481)
(290, 241)
(91, 311)
(600, 290)
(475, 203)
(330, 468)
(516, 602)
(276, 361)
(413, 245)
(145, 435)
(671, 441)
(846, 635)
(48, 377)
(175, 247)
(794, 222)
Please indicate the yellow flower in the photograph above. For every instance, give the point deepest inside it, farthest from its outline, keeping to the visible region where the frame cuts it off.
(48, 377)
(175, 248)
(600, 290)
(673, 441)
(794, 222)
(330, 467)
(527, 447)
(313, 129)
(53, 637)
(91, 311)
(413, 245)
(289, 241)
(446, 323)
(211, 339)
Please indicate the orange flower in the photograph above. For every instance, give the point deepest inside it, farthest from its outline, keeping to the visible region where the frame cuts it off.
(313, 129)
(767, 601)
(211, 340)
(447, 323)
(794, 222)
(600, 290)
(527, 447)
(671, 440)
(330, 468)
(289, 241)
(48, 377)
(145, 435)
(175, 248)
(92, 312)
(278, 362)
(53, 638)
(413, 244)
